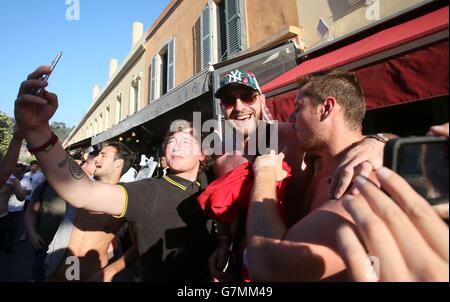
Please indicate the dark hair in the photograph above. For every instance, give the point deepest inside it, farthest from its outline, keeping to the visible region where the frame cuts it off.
(123, 153)
(341, 85)
(33, 162)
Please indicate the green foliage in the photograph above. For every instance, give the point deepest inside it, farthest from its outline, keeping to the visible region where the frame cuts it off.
(61, 130)
(5, 132)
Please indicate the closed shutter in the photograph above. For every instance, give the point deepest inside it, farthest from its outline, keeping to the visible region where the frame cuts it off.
(171, 65)
(206, 37)
(154, 93)
(233, 24)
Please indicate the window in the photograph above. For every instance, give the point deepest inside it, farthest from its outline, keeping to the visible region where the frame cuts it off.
(233, 26)
(135, 89)
(107, 117)
(162, 71)
(119, 108)
(100, 123)
(164, 66)
(222, 31)
(206, 49)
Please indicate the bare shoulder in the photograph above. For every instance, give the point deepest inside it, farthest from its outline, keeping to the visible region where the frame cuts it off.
(317, 233)
(320, 224)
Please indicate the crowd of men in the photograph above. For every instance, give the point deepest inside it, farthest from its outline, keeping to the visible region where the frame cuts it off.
(315, 209)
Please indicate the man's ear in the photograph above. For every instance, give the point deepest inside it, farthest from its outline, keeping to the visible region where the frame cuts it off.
(119, 163)
(327, 107)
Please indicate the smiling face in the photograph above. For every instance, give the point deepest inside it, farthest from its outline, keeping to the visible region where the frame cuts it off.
(183, 153)
(106, 162)
(243, 108)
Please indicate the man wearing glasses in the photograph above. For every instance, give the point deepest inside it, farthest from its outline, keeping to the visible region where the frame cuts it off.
(244, 106)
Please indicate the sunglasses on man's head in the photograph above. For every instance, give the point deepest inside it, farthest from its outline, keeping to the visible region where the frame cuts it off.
(247, 97)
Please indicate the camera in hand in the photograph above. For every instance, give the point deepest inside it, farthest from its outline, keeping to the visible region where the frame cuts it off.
(423, 162)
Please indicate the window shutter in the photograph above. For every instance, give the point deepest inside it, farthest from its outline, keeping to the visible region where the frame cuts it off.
(171, 65)
(233, 24)
(153, 91)
(206, 37)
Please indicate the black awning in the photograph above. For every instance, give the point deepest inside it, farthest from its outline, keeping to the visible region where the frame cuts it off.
(86, 143)
(193, 88)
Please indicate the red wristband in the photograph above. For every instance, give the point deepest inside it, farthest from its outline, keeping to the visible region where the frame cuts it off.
(45, 147)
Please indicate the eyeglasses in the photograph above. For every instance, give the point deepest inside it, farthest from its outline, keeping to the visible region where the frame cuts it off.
(247, 97)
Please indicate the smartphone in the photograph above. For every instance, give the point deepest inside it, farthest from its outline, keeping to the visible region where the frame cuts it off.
(46, 76)
(423, 162)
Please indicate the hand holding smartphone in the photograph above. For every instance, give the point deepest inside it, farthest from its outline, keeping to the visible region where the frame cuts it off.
(423, 163)
(46, 76)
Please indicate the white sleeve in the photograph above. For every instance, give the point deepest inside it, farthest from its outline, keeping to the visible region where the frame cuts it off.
(25, 184)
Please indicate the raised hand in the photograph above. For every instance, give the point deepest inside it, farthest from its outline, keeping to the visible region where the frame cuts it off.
(409, 240)
(32, 112)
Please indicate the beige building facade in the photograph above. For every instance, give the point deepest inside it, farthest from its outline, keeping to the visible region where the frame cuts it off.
(190, 36)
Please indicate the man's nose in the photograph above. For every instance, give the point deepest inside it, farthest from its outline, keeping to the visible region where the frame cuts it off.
(239, 105)
(177, 146)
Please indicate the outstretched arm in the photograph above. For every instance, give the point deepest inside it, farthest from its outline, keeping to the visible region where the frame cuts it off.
(9, 161)
(65, 176)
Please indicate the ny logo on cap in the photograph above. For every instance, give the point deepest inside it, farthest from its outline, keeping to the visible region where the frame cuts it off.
(235, 76)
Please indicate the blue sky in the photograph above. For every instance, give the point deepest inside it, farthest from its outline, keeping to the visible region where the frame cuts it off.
(33, 32)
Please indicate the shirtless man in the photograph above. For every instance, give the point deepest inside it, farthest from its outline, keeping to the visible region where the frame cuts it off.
(93, 232)
(327, 120)
(244, 105)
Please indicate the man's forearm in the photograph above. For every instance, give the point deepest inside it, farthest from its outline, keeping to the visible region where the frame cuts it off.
(9, 161)
(71, 183)
(65, 176)
(265, 226)
(264, 218)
